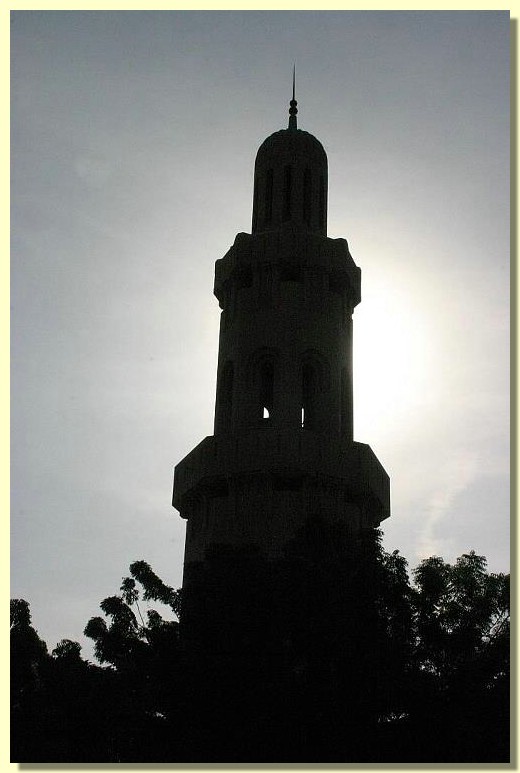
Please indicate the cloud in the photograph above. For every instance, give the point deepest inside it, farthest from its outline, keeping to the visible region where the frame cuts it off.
(456, 475)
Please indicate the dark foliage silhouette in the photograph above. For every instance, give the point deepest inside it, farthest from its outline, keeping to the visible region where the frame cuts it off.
(329, 654)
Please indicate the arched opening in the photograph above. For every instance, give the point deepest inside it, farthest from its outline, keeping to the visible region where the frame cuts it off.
(261, 386)
(321, 212)
(309, 396)
(307, 194)
(287, 185)
(268, 208)
(266, 390)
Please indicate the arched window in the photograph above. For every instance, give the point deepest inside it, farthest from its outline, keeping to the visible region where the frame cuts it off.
(287, 184)
(266, 388)
(268, 209)
(309, 395)
(321, 213)
(307, 194)
(315, 382)
(261, 384)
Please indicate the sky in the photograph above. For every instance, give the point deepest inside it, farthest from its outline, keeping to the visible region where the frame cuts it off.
(134, 136)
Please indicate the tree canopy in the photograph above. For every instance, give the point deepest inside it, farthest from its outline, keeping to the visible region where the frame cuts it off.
(334, 653)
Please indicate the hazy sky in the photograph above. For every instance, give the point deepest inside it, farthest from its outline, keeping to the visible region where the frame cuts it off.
(133, 143)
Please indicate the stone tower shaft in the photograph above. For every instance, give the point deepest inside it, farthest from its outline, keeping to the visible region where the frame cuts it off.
(283, 447)
(285, 351)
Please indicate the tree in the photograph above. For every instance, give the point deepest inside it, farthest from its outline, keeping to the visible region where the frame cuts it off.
(144, 656)
(124, 639)
(462, 658)
(28, 658)
(329, 654)
(67, 650)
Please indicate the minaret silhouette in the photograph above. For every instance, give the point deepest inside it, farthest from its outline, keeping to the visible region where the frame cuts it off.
(283, 449)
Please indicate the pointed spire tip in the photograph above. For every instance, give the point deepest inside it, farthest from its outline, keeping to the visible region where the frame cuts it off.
(293, 109)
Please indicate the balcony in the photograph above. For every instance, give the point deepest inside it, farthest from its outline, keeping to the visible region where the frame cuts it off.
(271, 452)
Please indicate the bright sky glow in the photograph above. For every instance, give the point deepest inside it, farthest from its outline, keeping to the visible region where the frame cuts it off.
(395, 360)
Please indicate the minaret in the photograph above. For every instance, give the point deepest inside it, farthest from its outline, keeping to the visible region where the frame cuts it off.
(282, 449)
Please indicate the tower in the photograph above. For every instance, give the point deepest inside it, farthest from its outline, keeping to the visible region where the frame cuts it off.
(282, 449)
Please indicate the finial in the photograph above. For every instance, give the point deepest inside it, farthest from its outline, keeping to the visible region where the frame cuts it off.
(293, 109)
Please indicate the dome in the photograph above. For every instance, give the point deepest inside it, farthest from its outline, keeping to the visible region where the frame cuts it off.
(291, 144)
(290, 189)
(290, 183)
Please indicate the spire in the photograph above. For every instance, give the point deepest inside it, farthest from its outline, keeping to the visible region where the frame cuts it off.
(293, 109)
